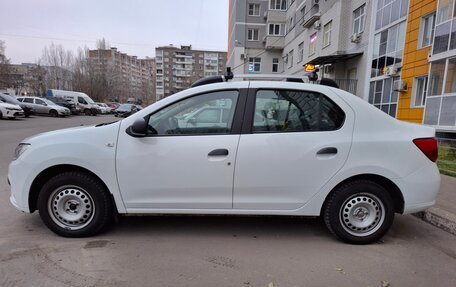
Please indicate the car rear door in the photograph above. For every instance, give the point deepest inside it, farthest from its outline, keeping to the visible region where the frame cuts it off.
(180, 166)
(293, 141)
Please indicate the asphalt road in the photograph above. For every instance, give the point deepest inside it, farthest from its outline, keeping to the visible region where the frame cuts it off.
(209, 251)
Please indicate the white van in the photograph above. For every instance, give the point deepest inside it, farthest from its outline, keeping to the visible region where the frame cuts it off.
(82, 102)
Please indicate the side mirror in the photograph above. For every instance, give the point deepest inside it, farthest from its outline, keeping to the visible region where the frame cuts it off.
(138, 128)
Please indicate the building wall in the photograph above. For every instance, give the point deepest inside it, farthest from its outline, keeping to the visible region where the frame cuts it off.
(415, 59)
(178, 67)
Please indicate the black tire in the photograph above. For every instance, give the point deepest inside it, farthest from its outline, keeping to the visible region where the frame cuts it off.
(54, 113)
(87, 112)
(1, 115)
(359, 212)
(75, 204)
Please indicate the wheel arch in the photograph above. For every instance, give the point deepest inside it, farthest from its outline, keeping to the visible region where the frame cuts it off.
(391, 187)
(48, 173)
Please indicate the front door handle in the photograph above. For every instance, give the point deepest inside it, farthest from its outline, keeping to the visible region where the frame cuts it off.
(218, 152)
(327, 150)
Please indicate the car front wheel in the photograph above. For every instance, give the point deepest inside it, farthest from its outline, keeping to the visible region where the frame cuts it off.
(359, 212)
(75, 204)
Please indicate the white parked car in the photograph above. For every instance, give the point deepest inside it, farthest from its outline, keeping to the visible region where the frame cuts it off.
(10, 111)
(282, 149)
(104, 108)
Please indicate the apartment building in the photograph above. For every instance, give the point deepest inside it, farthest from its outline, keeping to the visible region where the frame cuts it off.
(178, 67)
(133, 77)
(280, 36)
(440, 105)
(415, 68)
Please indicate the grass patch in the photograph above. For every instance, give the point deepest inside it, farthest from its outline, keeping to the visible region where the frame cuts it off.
(447, 159)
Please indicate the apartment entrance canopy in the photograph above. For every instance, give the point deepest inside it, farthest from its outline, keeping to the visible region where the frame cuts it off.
(331, 59)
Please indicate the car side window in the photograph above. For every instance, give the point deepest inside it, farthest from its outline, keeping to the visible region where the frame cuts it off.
(27, 100)
(82, 101)
(39, 102)
(198, 115)
(295, 111)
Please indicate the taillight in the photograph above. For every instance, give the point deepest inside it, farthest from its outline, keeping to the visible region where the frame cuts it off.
(428, 146)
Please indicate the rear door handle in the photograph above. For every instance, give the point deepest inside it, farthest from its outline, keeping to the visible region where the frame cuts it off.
(218, 152)
(327, 150)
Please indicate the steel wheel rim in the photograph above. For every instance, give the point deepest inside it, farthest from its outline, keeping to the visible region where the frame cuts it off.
(362, 214)
(71, 207)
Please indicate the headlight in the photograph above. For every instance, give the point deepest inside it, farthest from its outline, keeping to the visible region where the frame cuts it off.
(20, 149)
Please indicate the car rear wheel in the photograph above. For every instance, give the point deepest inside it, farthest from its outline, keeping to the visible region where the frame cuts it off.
(75, 204)
(359, 212)
(53, 113)
(87, 112)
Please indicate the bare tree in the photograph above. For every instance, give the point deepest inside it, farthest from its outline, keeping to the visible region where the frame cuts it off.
(103, 44)
(5, 69)
(59, 63)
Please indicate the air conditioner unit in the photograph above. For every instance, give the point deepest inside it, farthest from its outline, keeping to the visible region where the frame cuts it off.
(400, 86)
(355, 38)
(317, 25)
(242, 56)
(391, 71)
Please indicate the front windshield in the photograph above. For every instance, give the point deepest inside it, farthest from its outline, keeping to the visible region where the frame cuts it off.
(88, 100)
(11, 99)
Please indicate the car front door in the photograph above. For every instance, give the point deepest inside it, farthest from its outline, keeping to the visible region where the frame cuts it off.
(41, 107)
(293, 142)
(180, 166)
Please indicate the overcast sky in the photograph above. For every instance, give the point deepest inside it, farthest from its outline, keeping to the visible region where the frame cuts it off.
(135, 27)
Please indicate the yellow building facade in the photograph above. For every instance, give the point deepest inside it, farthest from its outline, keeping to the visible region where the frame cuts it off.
(415, 68)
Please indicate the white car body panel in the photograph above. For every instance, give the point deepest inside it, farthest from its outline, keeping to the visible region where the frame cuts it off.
(9, 114)
(177, 168)
(92, 148)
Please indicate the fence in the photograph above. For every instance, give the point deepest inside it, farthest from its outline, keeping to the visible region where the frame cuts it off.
(447, 156)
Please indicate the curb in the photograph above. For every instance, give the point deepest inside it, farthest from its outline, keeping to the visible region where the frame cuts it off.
(438, 217)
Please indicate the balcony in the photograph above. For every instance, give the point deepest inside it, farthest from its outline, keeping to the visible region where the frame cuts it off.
(275, 16)
(311, 16)
(274, 42)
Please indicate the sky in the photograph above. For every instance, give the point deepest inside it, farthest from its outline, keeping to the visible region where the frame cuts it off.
(135, 27)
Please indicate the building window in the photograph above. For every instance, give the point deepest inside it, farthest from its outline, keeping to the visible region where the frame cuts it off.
(290, 58)
(427, 30)
(275, 29)
(442, 38)
(389, 11)
(388, 50)
(254, 64)
(291, 24)
(420, 93)
(358, 20)
(450, 83)
(313, 44)
(327, 34)
(252, 34)
(254, 9)
(444, 10)
(301, 52)
(383, 97)
(275, 65)
(278, 5)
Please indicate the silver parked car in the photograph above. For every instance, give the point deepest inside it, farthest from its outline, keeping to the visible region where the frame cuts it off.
(44, 106)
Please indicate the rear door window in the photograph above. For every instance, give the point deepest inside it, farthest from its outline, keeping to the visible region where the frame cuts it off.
(295, 111)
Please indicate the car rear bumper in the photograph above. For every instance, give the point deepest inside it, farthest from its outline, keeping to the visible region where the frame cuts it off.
(420, 188)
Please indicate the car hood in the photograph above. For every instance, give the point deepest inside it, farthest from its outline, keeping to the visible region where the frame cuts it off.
(75, 134)
(10, 106)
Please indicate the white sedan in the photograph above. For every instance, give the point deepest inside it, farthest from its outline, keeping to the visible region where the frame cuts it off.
(105, 109)
(10, 111)
(281, 148)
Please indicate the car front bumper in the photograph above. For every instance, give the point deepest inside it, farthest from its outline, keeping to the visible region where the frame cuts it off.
(20, 188)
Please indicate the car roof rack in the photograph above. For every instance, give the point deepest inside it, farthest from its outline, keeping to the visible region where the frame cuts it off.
(306, 78)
